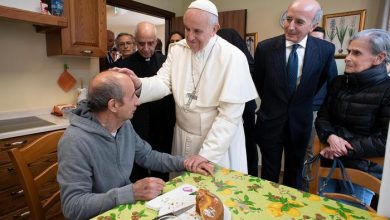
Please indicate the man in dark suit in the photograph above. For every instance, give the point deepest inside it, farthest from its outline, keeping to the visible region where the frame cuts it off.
(153, 121)
(105, 62)
(286, 86)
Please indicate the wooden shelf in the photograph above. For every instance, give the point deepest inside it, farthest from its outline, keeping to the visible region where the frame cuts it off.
(35, 18)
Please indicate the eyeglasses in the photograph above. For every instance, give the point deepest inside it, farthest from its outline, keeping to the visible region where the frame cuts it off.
(123, 44)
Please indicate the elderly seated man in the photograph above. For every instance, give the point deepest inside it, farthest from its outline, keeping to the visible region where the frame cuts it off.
(97, 152)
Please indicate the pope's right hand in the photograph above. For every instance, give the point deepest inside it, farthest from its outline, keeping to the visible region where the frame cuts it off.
(148, 188)
(133, 76)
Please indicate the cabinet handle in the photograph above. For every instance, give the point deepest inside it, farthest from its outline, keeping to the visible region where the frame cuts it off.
(23, 214)
(17, 193)
(87, 52)
(10, 169)
(16, 143)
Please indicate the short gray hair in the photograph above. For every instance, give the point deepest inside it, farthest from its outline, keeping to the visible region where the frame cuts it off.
(379, 40)
(123, 34)
(318, 16)
(100, 94)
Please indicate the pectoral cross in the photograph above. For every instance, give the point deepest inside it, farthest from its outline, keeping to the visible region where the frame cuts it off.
(191, 96)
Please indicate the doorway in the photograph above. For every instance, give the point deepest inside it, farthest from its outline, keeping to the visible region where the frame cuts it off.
(146, 10)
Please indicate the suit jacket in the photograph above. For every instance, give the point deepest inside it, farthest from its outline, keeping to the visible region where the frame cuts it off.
(278, 110)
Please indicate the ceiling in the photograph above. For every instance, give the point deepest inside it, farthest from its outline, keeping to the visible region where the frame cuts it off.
(118, 17)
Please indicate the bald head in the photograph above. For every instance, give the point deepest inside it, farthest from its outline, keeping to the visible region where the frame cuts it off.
(146, 38)
(312, 7)
(302, 17)
(106, 86)
(145, 29)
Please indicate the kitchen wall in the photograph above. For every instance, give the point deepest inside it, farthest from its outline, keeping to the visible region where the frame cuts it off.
(28, 78)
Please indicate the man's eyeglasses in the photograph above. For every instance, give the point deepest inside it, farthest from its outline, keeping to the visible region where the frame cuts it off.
(123, 44)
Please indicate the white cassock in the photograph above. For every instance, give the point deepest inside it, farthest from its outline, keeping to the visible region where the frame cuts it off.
(211, 124)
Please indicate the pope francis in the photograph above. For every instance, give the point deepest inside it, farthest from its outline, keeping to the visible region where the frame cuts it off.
(210, 82)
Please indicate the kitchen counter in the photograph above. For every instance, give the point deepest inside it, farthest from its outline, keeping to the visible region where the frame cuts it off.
(44, 113)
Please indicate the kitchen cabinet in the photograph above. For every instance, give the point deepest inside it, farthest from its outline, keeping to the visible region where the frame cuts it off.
(35, 18)
(85, 34)
(12, 202)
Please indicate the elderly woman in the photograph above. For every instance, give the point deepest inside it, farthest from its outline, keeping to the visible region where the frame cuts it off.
(355, 116)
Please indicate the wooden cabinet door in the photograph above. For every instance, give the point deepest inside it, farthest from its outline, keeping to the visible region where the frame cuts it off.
(86, 32)
(234, 19)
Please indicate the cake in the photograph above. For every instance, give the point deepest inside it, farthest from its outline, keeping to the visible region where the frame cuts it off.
(208, 205)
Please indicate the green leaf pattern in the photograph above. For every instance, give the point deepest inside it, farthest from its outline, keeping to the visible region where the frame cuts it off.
(249, 197)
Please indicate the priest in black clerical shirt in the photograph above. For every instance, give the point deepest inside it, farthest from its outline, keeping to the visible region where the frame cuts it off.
(153, 121)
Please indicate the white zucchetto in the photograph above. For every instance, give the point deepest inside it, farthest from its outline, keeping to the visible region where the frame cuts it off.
(205, 5)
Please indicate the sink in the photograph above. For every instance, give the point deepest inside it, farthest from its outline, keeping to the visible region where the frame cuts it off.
(16, 124)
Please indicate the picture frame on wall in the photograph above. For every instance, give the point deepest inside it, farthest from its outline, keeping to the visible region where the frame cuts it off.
(340, 27)
(251, 42)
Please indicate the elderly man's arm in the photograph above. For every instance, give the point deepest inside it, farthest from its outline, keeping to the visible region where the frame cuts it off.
(158, 86)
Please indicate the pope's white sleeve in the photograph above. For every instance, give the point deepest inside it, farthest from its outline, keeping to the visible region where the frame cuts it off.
(158, 86)
(222, 131)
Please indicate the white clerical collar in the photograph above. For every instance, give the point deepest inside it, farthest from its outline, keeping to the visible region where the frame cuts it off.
(302, 43)
(203, 52)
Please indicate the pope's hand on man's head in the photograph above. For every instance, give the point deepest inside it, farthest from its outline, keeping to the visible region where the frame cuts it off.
(133, 76)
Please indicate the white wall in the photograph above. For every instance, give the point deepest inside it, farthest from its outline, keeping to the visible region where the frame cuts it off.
(28, 78)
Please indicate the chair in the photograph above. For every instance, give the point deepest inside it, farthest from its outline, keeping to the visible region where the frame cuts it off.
(357, 177)
(22, 158)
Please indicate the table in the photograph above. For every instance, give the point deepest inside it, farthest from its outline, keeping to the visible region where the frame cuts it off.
(250, 198)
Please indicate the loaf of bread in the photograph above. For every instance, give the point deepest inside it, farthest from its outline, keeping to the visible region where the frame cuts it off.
(59, 110)
(208, 205)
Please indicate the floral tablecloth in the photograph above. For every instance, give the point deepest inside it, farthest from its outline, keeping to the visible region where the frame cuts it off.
(250, 198)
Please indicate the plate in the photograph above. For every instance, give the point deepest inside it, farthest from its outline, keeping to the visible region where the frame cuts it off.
(192, 215)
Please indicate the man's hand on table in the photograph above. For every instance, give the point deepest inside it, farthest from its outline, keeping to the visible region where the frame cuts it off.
(199, 164)
(148, 188)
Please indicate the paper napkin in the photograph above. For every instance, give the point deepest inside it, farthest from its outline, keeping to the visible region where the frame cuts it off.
(174, 199)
